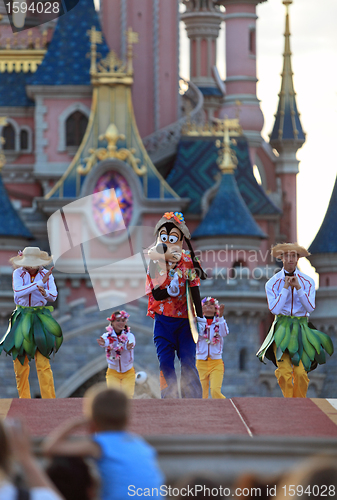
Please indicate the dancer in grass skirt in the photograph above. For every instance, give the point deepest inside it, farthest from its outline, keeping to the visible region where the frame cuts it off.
(32, 331)
(293, 344)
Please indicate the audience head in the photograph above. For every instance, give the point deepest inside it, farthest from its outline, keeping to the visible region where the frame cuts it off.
(202, 486)
(5, 454)
(316, 477)
(106, 408)
(74, 478)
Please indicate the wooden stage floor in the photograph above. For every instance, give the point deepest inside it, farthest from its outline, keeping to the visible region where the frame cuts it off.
(232, 417)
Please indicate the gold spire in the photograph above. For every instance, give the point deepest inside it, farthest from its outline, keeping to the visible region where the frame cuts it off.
(227, 160)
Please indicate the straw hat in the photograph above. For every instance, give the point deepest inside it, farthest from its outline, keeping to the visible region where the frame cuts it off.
(31, 257)
(281, 248)
(177, 219)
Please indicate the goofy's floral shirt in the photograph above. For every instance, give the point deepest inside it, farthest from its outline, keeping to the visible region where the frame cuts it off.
(175, 307)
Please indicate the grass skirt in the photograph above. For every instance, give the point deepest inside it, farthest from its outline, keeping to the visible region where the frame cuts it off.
(31, 328)
(302, 342)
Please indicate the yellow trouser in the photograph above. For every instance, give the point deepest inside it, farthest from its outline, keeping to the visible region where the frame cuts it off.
(124, 381)
(44, 374)
(211, 373)
(292, 379)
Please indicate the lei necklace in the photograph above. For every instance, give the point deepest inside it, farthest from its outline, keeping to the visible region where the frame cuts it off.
(116, 344)
(216, 337)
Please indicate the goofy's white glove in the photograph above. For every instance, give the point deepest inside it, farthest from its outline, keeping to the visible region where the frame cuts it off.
(173, 288)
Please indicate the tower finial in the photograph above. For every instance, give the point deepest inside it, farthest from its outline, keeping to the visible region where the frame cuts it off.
(287, 125)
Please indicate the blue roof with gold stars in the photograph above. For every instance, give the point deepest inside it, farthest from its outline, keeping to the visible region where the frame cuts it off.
(66, 61)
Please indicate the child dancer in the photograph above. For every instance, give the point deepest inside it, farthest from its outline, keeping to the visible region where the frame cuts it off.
(119, 343)
(209, 348)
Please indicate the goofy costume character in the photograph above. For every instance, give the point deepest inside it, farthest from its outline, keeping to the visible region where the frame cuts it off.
(171, 270)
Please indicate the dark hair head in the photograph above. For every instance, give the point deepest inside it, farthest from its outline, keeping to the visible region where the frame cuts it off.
(73, 477)
(5, 454)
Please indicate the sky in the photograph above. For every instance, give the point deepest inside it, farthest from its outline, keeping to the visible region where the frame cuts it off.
(314, 56)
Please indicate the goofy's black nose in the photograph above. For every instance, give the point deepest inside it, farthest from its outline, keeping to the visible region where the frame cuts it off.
(161, 248)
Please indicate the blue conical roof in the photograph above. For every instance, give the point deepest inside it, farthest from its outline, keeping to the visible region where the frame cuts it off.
(10, 222)
(228, 214)
(287, 125)
(66, 61)
(326, 239)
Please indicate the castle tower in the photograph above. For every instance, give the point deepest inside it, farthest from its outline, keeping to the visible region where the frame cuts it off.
(287, 137)
(156, 64)
(203, 21)
(324, 259)
(240, 19)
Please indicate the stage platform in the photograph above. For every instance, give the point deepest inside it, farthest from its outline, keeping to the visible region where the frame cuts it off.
(226, 436)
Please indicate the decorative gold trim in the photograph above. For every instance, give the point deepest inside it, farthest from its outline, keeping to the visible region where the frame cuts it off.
(112, 136)
(215, 129)
(111, 70)
(20, 60)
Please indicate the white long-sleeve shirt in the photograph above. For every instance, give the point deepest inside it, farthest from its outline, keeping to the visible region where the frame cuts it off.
(291, 302)
(25, 287)
(125, 362)
(206, 349)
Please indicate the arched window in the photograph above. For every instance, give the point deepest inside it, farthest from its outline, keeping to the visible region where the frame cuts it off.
(236, 270)
(76, 125)
(252, 41)
(8, 133)
(243, 360)
(23, 140)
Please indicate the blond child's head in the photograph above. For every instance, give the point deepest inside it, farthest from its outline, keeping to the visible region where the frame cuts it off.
(106, 408)
(118, 321)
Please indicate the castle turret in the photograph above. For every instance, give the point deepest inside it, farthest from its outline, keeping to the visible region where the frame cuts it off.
(155, 93)
(240, 19)
(324, 259)
(287, 137)
(203, 22)
(324, 247)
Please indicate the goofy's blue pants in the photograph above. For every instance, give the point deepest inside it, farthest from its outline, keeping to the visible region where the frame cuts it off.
(173, 335)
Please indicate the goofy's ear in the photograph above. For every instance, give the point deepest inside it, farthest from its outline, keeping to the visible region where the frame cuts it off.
(196, 262)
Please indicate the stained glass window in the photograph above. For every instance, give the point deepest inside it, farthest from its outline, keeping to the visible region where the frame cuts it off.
(110, 205)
